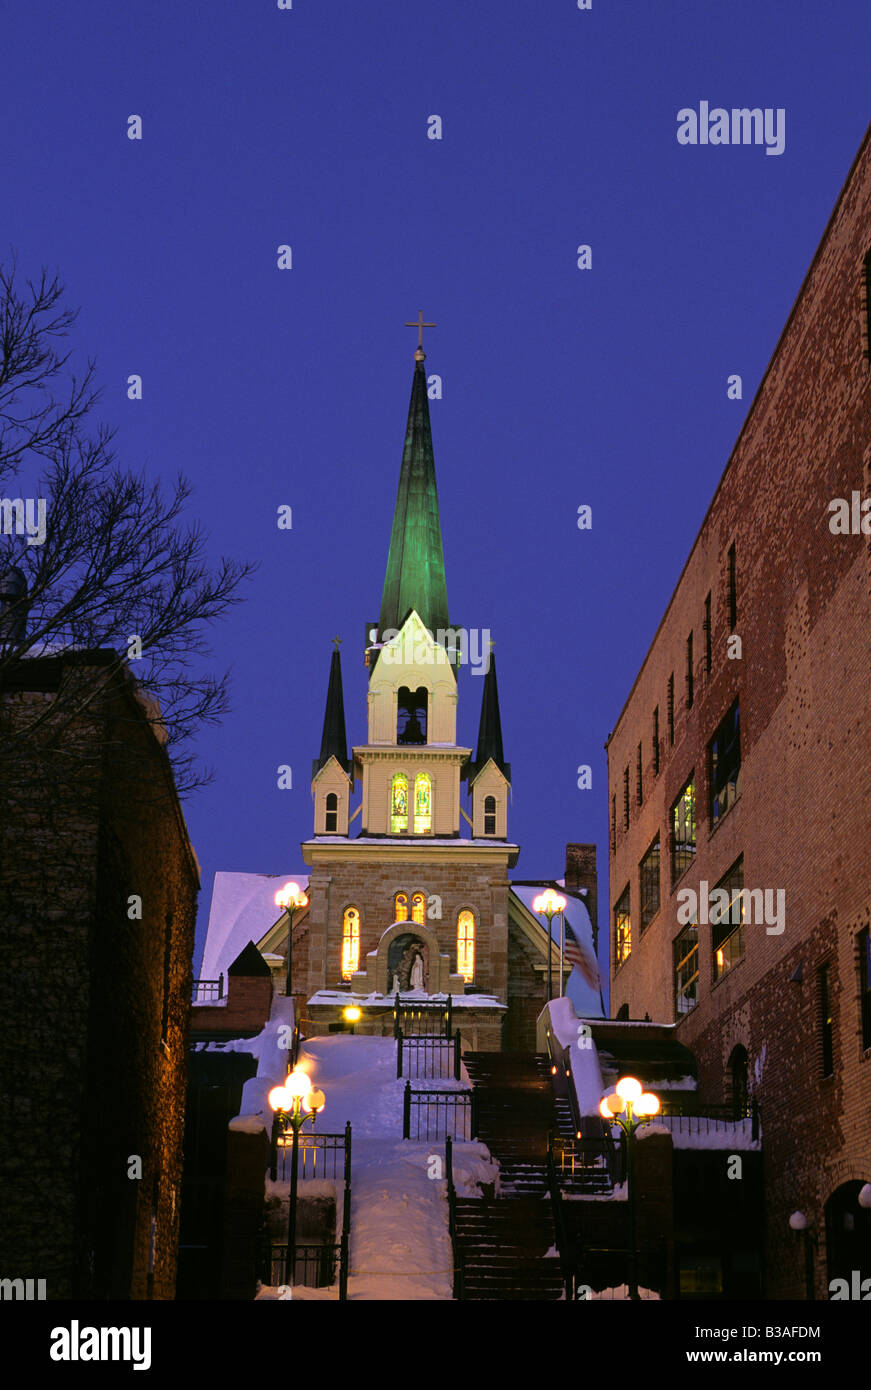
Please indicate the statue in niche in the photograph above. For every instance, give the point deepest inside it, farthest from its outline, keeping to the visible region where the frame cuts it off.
(417, 972)
(396, 987)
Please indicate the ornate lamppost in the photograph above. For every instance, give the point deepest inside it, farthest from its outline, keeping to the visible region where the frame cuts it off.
(294, 1103)
(630, 1107)
(548, 904)
(290, 897)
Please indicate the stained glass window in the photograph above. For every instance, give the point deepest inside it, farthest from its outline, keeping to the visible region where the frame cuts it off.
(422, 803)
(400, 908)
(418, 908)
(466, 946)
(399, 804)
(350, 942)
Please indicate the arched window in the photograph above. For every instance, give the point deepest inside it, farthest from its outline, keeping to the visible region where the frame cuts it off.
(331, 819)
(418, 908)
(350, 942)
(399, 804)
(422, 803)
(489, 815)
(400, 907)
(466, 945)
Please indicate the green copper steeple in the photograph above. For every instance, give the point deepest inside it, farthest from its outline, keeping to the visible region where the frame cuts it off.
(415, 575)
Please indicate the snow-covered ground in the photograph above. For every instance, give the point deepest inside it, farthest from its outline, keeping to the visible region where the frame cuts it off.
(400, 1246)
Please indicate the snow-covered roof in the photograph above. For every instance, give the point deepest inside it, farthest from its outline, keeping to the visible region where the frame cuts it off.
(242, 910)
(586, 1000)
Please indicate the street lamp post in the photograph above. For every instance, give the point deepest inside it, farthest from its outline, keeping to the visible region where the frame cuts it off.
(548, 904)
(630, 1107)
(290, 897)
(799, 1222)
(352, 1014)
(289, 1101)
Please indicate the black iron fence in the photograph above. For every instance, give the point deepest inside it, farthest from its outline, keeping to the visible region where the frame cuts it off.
(313, 1265)
(430, 1056)
(431, 1115)
(207, 991)
(459, 1288)
(326, 1156)
(423, 1017)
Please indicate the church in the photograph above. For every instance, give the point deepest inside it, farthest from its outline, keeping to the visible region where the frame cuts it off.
(407, 888)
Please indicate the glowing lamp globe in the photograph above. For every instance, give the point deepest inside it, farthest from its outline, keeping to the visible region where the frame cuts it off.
(298, 1084)
(548, 903)
(315, 1100)
(616, 1104)
(352, 1014)
(629, 1089)
(798, 1221)
(647, 1104)
(280, 1098)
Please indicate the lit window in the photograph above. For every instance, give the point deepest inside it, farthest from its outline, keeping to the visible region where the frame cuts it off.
(489, 815)
(400, 908)
(724, 751)
(686, 970)
(727, 922)
(418, 908)
(622, 928)
(399, 805)
(331, 819)
(350, 942)
(683, 830)
(422, 803)
(649, 874)
(466, 946)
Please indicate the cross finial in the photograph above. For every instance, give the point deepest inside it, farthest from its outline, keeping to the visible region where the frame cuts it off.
(337, 642)
(420, 326)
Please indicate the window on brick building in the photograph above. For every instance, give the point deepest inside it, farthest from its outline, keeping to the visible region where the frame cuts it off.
(622, 928)
(350, 942)
(868, 306)
(649, 882)
(738, 1081)
(400, 907)
(331, 818)
(733, 588)
(685, 950)
(683, 830)
(709, 659)
(690, 671)
(671, 710)
(626, 799)
(656, 742)
(613, 825)
(727, 921)
(826, 1021)
(167, 977)
(639, 775)
(724, 765)
(418, 908)
(864, 943)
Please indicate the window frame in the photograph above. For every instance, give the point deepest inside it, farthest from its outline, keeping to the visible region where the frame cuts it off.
(623, 934)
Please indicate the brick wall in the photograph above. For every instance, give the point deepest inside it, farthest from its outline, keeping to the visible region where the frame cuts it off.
(803, 820)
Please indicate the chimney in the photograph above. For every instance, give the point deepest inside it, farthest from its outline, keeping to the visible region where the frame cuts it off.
(581, 873)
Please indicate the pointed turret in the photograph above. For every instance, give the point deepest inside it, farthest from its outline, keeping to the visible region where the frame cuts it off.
(334, 741)
(490, 728)
(415, 577)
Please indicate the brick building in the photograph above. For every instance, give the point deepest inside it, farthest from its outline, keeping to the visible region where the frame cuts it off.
(736, 763)
(98, 885)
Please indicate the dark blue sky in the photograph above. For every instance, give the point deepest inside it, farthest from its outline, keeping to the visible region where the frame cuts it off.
(561, 387)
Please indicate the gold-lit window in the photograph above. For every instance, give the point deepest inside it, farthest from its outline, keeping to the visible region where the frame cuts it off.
(466, 946)
(622, 928)
(418, 908)
(350, 942)
(422, 803)
(400, 908)
(399, 804)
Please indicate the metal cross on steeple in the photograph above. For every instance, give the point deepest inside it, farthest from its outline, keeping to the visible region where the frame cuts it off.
(420, 326)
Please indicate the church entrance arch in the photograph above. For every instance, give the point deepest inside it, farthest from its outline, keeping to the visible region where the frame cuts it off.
(848, 1234)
